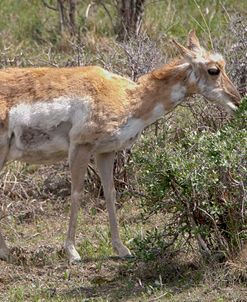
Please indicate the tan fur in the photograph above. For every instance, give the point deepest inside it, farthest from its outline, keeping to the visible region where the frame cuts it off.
(111, 95)
(44, 84)
(108, 92)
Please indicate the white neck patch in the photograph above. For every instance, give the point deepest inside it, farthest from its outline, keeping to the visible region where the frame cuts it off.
(192, 77)
(157, 113)
(178, 93)
(135, 126)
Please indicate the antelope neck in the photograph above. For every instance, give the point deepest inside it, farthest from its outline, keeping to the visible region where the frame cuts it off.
(163, 93)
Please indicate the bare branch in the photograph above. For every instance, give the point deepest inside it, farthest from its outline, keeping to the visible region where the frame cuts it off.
(49, 6)
(107, 12)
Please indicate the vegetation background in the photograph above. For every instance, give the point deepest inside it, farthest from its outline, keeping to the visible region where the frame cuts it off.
(181, 189)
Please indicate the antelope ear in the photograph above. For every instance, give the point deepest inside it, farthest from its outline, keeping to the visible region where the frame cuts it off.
(192, 41)
(185, 52)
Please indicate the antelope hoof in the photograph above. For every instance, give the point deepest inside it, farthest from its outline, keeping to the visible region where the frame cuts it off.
(74, 261)
(72, 253)
(122, 251)
(5, 255)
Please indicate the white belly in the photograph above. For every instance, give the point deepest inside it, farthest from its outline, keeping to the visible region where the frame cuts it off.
(39, 132)
(34, 145)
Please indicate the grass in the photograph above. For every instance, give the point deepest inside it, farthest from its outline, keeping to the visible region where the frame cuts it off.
(29, 23)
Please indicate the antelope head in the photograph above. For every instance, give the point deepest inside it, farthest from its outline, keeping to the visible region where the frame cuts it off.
(207, 74)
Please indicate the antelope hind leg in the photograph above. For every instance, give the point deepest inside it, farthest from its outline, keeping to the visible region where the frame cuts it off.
(4, 250)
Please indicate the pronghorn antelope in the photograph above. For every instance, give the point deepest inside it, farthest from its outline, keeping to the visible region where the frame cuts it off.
(48, 113)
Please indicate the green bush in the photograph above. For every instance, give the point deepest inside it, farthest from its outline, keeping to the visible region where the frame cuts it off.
(198, 182)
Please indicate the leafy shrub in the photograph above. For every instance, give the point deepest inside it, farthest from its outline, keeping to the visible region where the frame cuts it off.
(198, 182)
(238, 58)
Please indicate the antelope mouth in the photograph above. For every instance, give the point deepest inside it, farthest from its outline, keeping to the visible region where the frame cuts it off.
(232, 106)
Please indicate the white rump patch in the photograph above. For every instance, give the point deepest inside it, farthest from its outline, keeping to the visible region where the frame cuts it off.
(178, 93)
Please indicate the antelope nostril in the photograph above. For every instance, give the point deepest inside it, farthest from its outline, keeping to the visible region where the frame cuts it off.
(237, 100)
(235, 97)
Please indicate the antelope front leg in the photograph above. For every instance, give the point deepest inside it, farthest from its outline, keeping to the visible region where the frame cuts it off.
(4, 251)
(79, 157)
(105, 164)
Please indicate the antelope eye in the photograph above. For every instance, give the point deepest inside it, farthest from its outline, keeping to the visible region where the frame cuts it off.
(214, 71)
